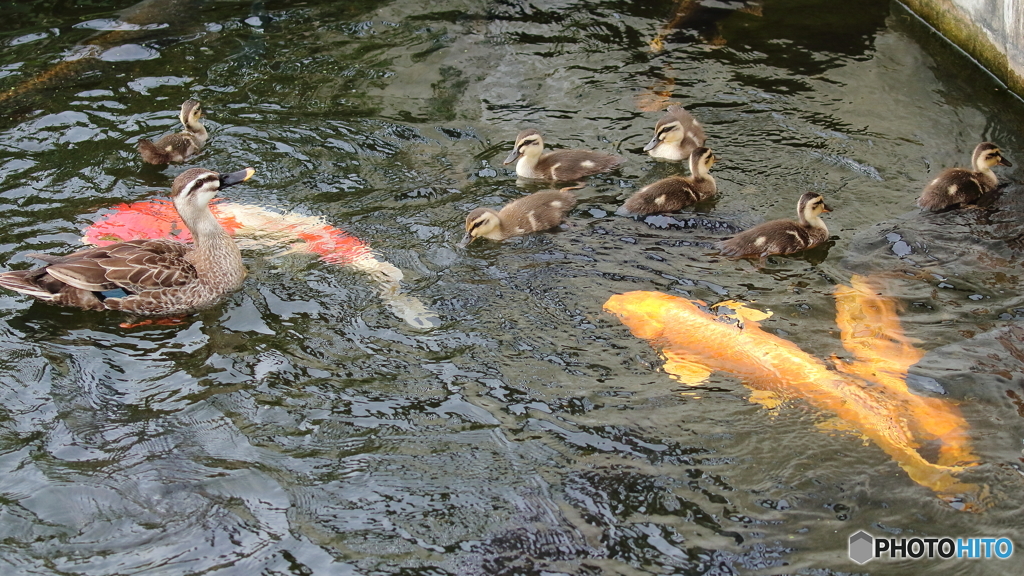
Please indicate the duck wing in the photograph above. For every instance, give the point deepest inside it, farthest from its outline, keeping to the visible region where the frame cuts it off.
(170, 148)
(538, 211)
(155, 265)
(39, 284)
(953, 187)
(775, 237)
(575, 164)
(134, 266)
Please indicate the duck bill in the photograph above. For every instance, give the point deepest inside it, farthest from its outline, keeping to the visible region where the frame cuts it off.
(466, 240)
(513, 156)
(1004, 161)
(652, 144)
(826, 208)
(232, 178)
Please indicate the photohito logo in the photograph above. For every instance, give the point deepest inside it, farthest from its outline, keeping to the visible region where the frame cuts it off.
(864, 547)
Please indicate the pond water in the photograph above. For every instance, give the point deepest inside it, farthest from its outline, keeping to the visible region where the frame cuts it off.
(304, 426)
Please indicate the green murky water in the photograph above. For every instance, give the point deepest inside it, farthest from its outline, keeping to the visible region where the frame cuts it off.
(303, 427)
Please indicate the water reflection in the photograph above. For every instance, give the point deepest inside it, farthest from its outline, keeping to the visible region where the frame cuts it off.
(302, 427)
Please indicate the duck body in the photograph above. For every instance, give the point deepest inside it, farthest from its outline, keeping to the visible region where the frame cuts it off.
(156, 277)
(676, 135)
(675, 192)
(178, 147)
(782, 236)
(957, 186)
(559, 165)
(534, 213)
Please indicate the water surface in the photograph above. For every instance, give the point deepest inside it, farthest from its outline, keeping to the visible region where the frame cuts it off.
(301, 427)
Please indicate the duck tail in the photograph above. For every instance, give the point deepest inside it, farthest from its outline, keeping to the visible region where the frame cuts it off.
(150, 154)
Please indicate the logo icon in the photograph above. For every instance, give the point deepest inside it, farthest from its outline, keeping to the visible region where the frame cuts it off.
(862, 547)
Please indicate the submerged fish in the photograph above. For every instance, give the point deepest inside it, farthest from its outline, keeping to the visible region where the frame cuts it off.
(254, 226)
(869, 394)
(143, 21)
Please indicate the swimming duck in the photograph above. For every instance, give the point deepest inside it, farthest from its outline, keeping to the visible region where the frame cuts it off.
(782, 236)
(559, 164)
(178, 147)
(158, 277)
(675, 135)
(956, 186)
(534, 213)
(675, 192)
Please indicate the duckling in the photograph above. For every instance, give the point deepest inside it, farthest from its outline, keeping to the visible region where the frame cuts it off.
(955, 186)
(559, 164)
(178, 147)
(782, 236)
(675, 135)
(534, 213)
(675, 192)
(158, 277)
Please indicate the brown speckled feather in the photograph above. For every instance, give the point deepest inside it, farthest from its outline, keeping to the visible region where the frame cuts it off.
(537, 212)
(666, 195)
(560, 165)
(178, 147)
(675, 192)
(39, 284)
(565, 165)
(159, 277)
(953, 187)
(155, 266)
(780, 237)
(170, 148)
(534, 213)
(956, 186)
(133, 266)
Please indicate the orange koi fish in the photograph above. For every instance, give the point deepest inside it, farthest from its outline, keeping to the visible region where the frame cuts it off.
(869, 394)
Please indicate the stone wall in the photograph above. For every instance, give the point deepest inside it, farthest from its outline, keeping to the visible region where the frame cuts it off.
(991, 31)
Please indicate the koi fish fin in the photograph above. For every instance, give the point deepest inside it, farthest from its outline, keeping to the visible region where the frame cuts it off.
(838, 425)
(744, 312)
(870, 329)
(768, 399)
(685, 369)
(942, 479)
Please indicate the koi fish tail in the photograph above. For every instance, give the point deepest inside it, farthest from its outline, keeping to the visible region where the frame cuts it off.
(942, 479)
(872, 333)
